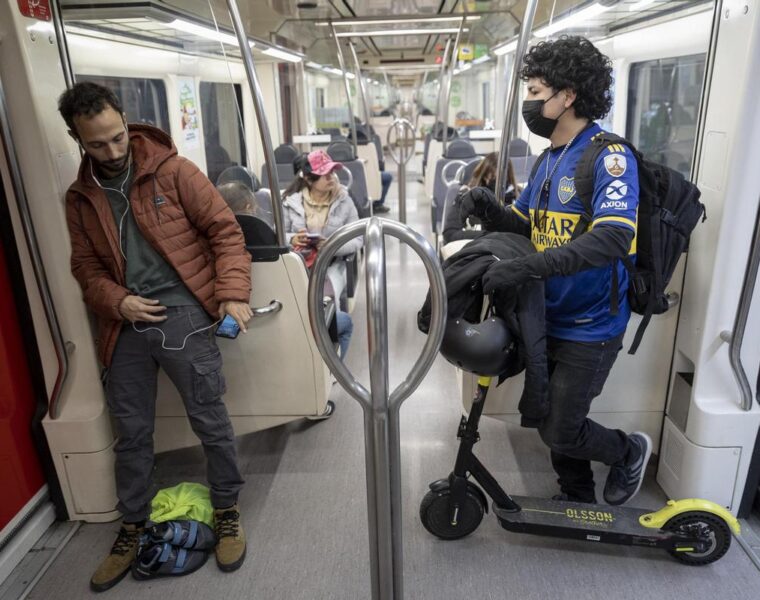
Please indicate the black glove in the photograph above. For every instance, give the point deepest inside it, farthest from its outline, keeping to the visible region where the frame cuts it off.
(478, 202)
(505, 274)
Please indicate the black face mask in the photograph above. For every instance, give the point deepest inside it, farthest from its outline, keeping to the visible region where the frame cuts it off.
(537, 123)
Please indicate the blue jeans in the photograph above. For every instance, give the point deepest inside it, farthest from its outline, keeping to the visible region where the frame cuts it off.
(386, 180)
(577, 372)
(345, 329)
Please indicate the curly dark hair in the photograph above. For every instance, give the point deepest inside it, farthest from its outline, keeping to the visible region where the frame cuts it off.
(86, 98)
(572, 62)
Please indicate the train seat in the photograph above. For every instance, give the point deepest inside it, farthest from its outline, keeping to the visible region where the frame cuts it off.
(344, 152)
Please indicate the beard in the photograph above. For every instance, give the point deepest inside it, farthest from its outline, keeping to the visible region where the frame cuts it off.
(113, 167)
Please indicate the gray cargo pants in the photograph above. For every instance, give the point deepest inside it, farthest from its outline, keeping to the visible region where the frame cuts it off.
(196, 371)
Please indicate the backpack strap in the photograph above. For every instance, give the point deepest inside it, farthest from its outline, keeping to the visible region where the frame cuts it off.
(538, 162)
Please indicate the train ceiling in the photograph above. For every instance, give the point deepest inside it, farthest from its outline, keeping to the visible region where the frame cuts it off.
(304, 26)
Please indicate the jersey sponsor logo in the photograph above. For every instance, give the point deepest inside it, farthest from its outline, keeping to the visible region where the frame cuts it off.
(554, 230)
(566, 189)
(616, 190)
(615, 164)
(616, 204)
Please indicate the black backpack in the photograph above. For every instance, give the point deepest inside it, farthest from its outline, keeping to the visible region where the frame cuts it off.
(669, 210)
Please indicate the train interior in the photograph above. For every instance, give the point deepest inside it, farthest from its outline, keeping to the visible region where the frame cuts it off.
(420, 90)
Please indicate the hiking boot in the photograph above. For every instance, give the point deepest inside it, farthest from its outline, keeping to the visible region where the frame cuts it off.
(230, 546)
(563, 497)
(116, 565)
(625, 478)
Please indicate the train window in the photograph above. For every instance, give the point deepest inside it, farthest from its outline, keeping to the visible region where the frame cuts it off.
(223, 127)
(143, 100)
(663, 106)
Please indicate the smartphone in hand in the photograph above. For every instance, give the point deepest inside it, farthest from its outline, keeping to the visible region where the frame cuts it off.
(314, 238)
(228, 328)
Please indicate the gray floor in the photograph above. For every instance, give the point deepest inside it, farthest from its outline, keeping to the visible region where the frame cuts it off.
(305, 510)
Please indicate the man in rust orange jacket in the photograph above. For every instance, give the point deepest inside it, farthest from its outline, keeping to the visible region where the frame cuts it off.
(160, 259)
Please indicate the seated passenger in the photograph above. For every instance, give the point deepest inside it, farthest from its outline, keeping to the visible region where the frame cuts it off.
(483, 176)
(239, 198)
(315, 206)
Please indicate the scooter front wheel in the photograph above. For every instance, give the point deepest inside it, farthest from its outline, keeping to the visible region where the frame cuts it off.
(712, 529)
(436, 517)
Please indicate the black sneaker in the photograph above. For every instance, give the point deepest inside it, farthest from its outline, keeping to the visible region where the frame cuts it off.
(380, 208)
(563, 497)
(625, 478)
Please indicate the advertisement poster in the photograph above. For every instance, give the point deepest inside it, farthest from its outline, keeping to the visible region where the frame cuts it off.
(189, 110)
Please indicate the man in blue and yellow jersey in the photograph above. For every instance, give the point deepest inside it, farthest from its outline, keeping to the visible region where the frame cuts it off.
(568, 88)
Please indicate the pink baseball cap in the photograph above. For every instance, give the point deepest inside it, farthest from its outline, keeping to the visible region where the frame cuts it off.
(320, 163)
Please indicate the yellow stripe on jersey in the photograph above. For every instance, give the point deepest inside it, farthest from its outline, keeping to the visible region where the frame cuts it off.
(623, 220)
(613, 148)
(520, 214)
(619, 220)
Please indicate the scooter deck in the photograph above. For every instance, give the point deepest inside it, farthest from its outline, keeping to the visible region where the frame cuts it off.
(573, 520)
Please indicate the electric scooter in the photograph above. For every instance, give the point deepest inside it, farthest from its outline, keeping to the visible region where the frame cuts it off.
(696, 532)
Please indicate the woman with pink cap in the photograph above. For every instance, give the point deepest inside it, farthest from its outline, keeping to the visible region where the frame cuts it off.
(315, 206)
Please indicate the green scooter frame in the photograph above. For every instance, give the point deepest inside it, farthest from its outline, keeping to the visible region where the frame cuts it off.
(695, 532)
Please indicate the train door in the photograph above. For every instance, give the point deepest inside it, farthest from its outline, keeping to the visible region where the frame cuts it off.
(21, 473)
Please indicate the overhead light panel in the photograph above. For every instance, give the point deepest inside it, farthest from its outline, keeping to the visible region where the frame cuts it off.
(380, 32)
(351, 22)
(282, 55)
(572, 20)
(205, 32)
(639, 5)
(505, 48)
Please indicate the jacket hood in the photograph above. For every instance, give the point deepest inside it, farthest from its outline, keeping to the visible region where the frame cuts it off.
(150, 148)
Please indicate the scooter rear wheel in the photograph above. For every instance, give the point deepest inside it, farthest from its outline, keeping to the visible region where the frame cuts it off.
(708, 526)
(434, 513)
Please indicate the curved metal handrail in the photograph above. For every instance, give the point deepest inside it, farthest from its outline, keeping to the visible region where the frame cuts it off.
(735, 338)
(274, 307)
(459, 175)
(438, 300)
(405, 125)
(349, 174)
(381, 410)
(446, 169)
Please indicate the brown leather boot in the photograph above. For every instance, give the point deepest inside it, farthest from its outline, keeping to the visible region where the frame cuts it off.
(116, 565)
(230, 545)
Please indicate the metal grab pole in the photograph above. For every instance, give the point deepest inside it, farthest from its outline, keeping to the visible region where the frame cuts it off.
(405, 126)
(511, 106)
(449, 80)
(342, 64)
(362, 86)
(381, 409)
(441, 84)
(261, 119)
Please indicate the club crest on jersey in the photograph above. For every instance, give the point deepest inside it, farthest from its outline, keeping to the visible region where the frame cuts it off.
(615, 164)
(566, 189)
(616, 190)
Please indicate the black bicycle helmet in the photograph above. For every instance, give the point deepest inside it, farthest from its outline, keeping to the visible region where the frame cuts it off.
(486, 348)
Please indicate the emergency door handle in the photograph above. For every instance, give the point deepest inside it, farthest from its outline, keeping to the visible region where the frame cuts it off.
(275, 306)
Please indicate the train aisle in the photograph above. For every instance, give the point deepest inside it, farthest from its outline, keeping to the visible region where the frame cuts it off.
(304, 504)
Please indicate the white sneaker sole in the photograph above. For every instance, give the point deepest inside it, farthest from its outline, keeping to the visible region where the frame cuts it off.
(647, 454)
